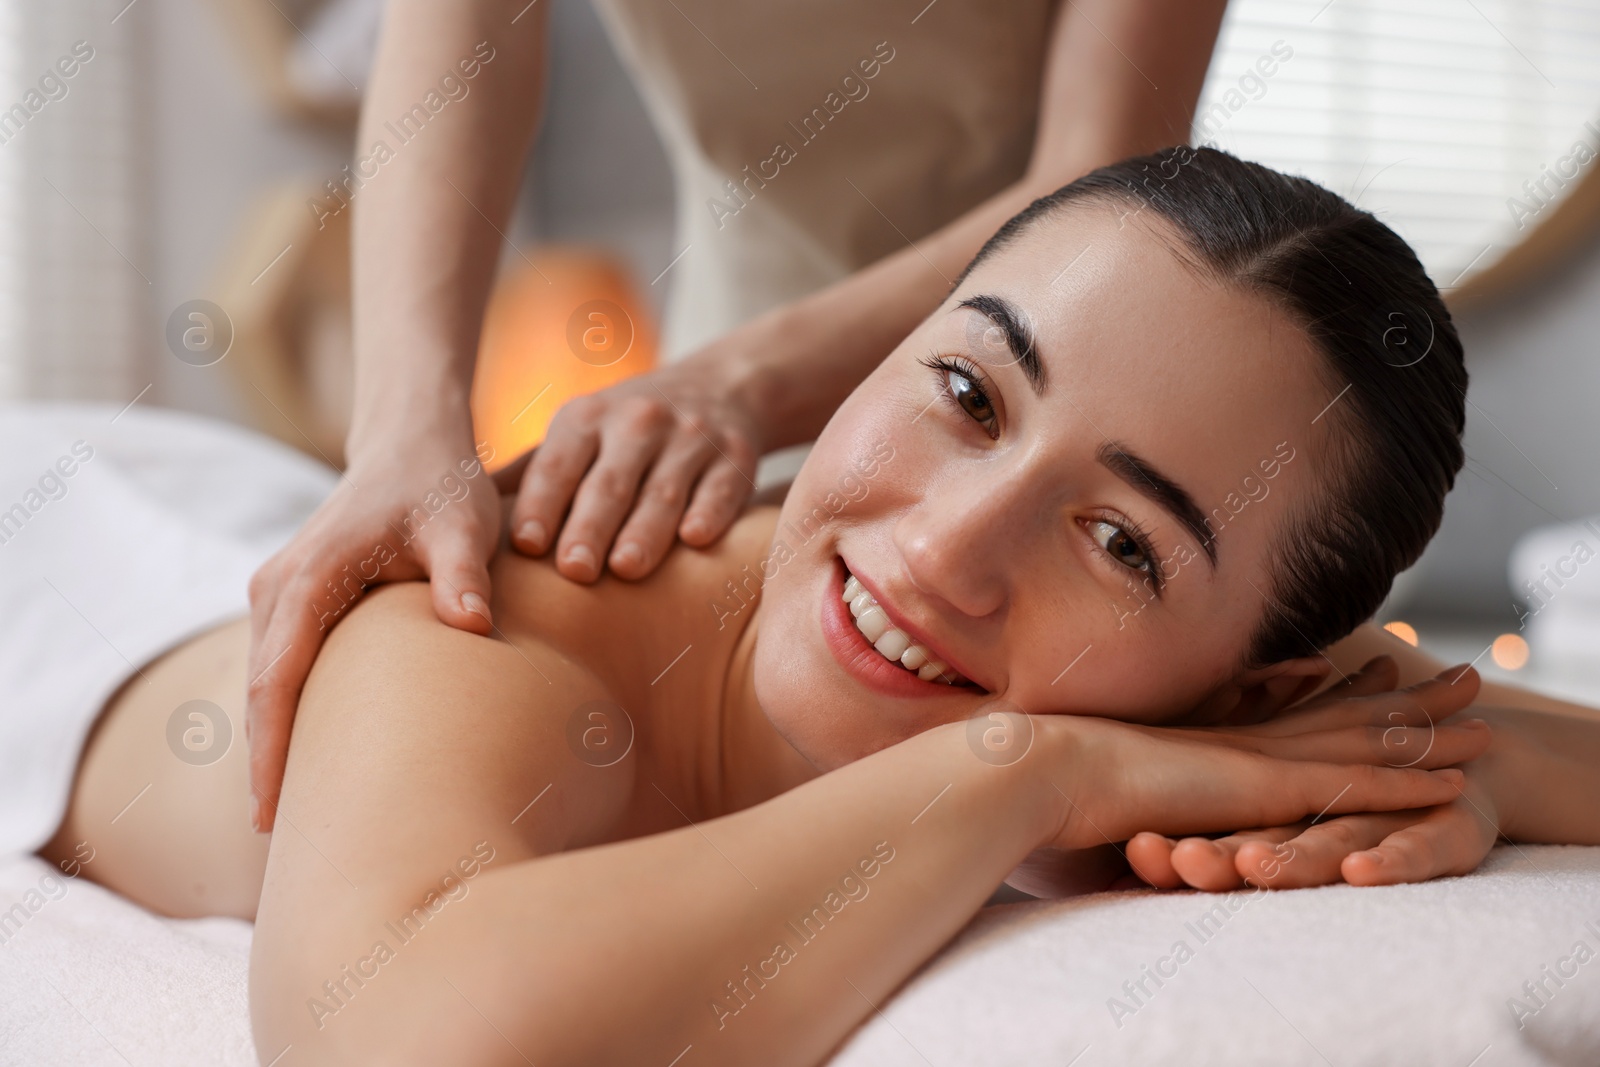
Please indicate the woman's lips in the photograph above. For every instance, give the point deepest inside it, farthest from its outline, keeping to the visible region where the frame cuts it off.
(863, 662)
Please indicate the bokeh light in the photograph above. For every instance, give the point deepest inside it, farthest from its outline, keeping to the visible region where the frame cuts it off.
(1509, 651)
(1403, 630)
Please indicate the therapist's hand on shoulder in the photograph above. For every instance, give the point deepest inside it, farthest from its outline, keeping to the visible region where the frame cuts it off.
(621, 474)
(624, 472)
(425, 510)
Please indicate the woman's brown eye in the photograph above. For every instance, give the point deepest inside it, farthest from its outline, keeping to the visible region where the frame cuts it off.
(1123, 549)
(971, 398)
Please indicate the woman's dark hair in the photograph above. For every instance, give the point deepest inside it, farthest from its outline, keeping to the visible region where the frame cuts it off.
(1394, 369)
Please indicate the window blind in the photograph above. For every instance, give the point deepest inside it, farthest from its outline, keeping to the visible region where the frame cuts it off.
(1458, 122)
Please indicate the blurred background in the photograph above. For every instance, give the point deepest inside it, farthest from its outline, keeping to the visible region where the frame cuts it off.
(165, 190)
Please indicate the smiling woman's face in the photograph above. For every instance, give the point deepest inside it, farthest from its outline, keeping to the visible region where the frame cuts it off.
(1045, 534)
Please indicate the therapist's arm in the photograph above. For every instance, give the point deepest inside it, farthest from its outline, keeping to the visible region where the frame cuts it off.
(1122, 77)
(427, 236)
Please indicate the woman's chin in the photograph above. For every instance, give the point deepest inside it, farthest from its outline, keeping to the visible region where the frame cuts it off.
(827, 729)
(825, 713)
(818, 728)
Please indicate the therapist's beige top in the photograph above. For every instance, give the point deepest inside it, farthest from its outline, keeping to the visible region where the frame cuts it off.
(848, 127)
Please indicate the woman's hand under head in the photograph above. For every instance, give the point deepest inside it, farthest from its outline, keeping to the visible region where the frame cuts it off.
(1379, 848)
(1338, 754)
(1067, 486)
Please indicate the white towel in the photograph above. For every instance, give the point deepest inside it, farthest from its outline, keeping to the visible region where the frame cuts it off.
(87, 978)
(118, 539)
(1418, 974)
(1413, 975)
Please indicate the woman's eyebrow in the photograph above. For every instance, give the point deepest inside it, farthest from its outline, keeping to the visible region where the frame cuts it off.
(1167, 494)
(1018, 334)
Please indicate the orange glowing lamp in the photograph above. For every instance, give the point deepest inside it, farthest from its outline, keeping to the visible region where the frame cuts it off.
(564, 322)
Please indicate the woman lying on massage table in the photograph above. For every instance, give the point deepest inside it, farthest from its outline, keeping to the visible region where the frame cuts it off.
(1169, 438)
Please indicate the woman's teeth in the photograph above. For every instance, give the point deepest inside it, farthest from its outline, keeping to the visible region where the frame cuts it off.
(891, 643)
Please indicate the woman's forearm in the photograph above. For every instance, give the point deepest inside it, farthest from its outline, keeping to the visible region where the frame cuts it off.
(1544, 770)
(1545, 775)
(435, 199)
(765, 935)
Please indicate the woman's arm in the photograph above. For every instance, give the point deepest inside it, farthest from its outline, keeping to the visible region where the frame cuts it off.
(442, 889)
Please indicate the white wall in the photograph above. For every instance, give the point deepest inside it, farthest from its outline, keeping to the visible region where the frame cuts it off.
(598, 172)
(1532, 439)
(217, 146)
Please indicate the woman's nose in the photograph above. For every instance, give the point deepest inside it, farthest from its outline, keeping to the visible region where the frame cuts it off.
(962, 543)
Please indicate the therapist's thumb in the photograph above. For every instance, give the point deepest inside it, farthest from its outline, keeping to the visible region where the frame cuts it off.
(458, 573)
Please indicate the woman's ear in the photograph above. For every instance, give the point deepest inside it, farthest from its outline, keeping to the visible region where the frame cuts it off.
(1259, 693)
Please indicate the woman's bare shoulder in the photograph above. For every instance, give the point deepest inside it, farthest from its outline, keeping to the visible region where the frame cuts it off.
(401, 708)
(396, 684)
(533, 603)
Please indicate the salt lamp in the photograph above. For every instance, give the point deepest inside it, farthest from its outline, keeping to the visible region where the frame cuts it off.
(564, 322)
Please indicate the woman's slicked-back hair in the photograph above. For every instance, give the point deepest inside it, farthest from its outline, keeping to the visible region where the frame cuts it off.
(1396, 380)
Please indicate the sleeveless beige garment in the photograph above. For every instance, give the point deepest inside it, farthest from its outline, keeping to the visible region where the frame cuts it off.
(812, 137)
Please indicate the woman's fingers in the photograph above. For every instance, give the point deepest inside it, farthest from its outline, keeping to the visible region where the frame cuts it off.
(625, 470)
(1364, 848)
(1313, 856)
(637, 464)
(1380, 674)
(1150, 856)
(1452, 839)
(1428, 701)
(279, 662)
(1426, 747)
(630, 442)
(455, 555)
(1197, 862)
(1214, 865)
(1291, 791)
(1213, 789)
